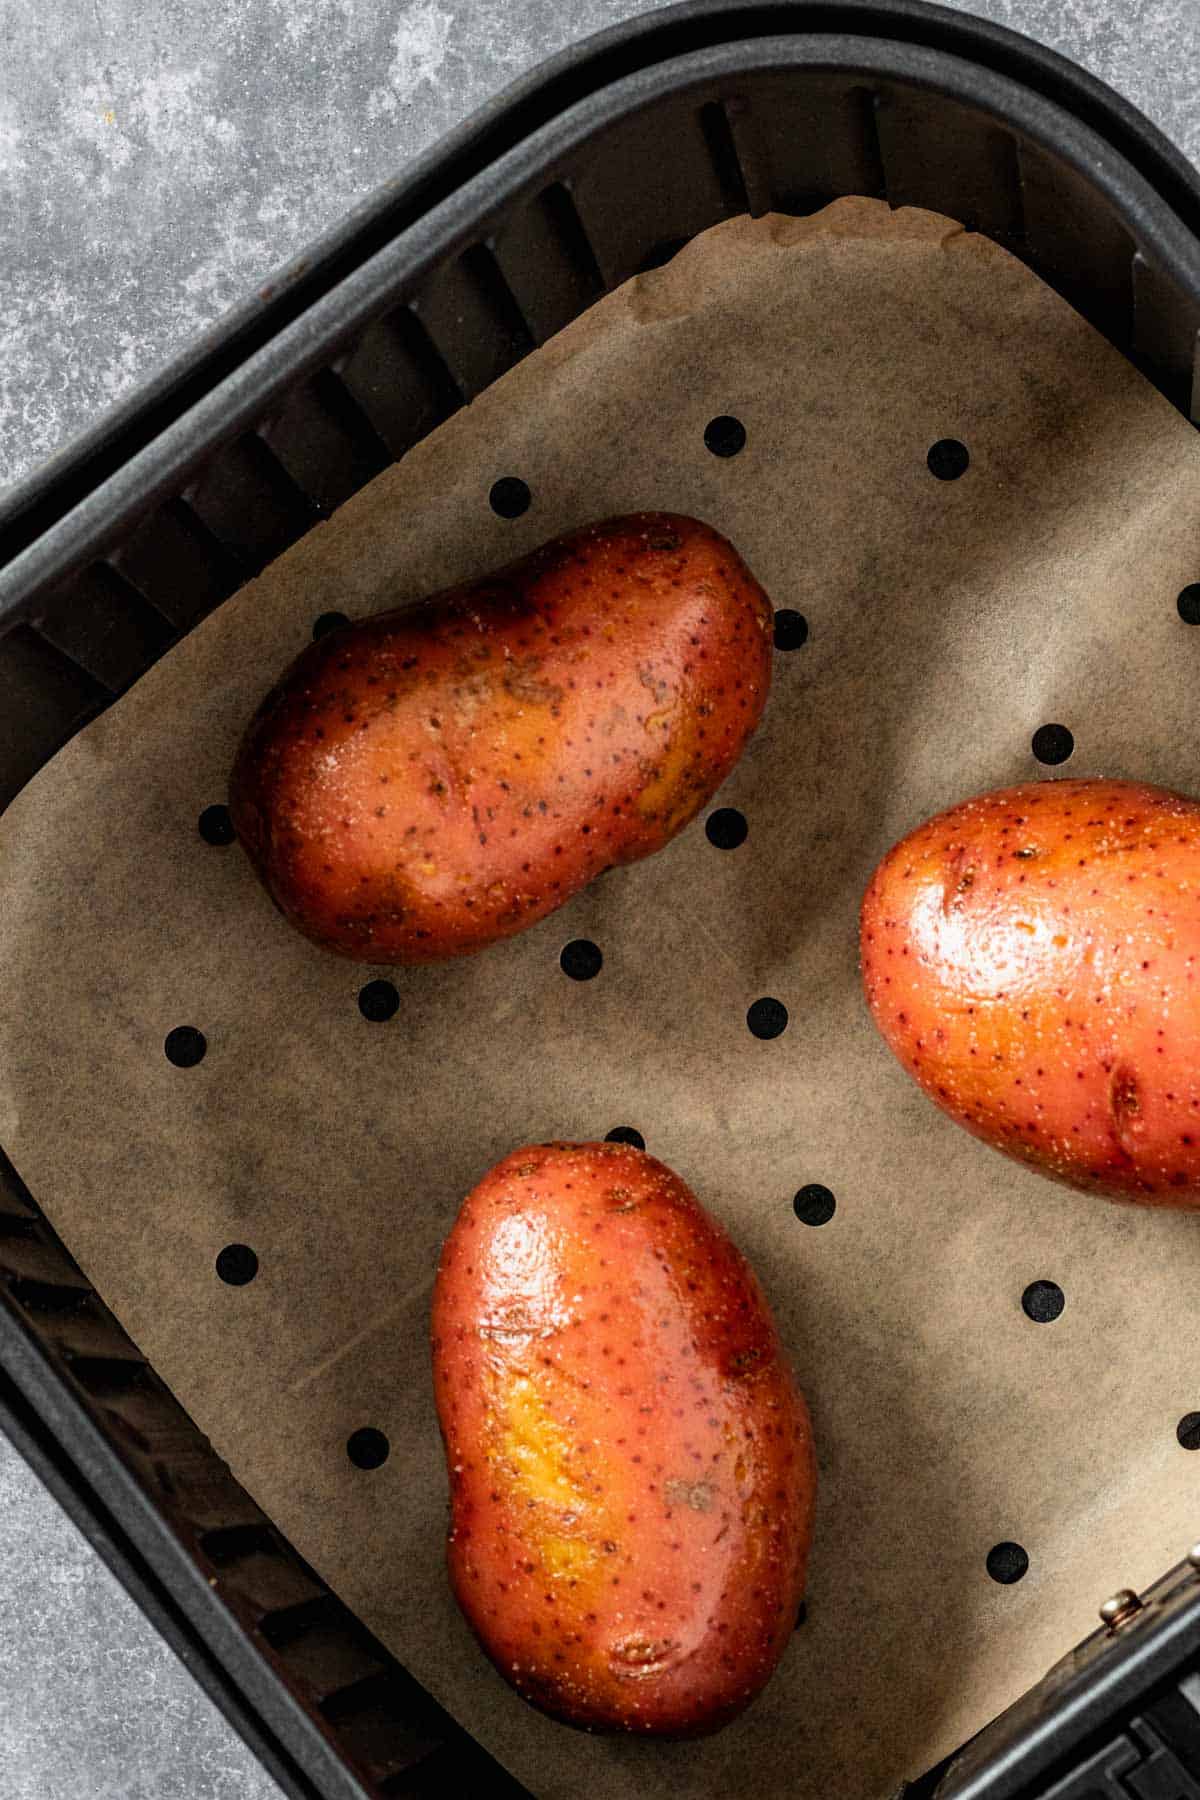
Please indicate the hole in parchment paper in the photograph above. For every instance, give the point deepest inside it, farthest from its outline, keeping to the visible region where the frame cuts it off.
(791, 629)
(1043, 1301)
(215, 825)
(725, 435)
(185, 1046)
(625, 1134)
(948, 459)
(767, 1018)
(581, 959)
(1052, 743)
(367, 1448)
(1188, 1431)
(1189, 603)
(814, 1204)
(237, 1264)
(378, 1001)
(726, 828)
(509, 497)
(330, 621)
(801, 1616)
(1007, 1563)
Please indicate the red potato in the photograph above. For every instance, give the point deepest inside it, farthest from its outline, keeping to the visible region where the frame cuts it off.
(631, 1464)
(1033, 959)
(425, 782)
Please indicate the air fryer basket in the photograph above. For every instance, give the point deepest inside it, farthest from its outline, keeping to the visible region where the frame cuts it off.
(422, 299)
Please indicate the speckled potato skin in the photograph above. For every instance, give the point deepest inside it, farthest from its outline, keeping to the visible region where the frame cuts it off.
(427, 781)
(1033, 959)
(630, 1460)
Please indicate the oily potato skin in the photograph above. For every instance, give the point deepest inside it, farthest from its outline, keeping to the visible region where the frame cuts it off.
(631, 1465)
(1033, 959)
(429, 780)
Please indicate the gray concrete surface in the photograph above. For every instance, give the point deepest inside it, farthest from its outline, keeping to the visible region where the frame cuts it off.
(157, 157)
(93, 1706)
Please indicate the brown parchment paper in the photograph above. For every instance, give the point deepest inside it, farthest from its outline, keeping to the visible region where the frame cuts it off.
(948, 620)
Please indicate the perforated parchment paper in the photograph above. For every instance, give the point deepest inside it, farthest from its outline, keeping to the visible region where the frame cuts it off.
(948, 620)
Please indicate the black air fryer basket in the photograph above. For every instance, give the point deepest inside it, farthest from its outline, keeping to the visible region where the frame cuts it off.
(423, 297)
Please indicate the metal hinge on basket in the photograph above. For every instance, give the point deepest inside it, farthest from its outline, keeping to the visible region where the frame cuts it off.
(1118, 1718)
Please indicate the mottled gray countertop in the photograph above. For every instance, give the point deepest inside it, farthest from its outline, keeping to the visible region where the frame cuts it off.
(157, 157)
